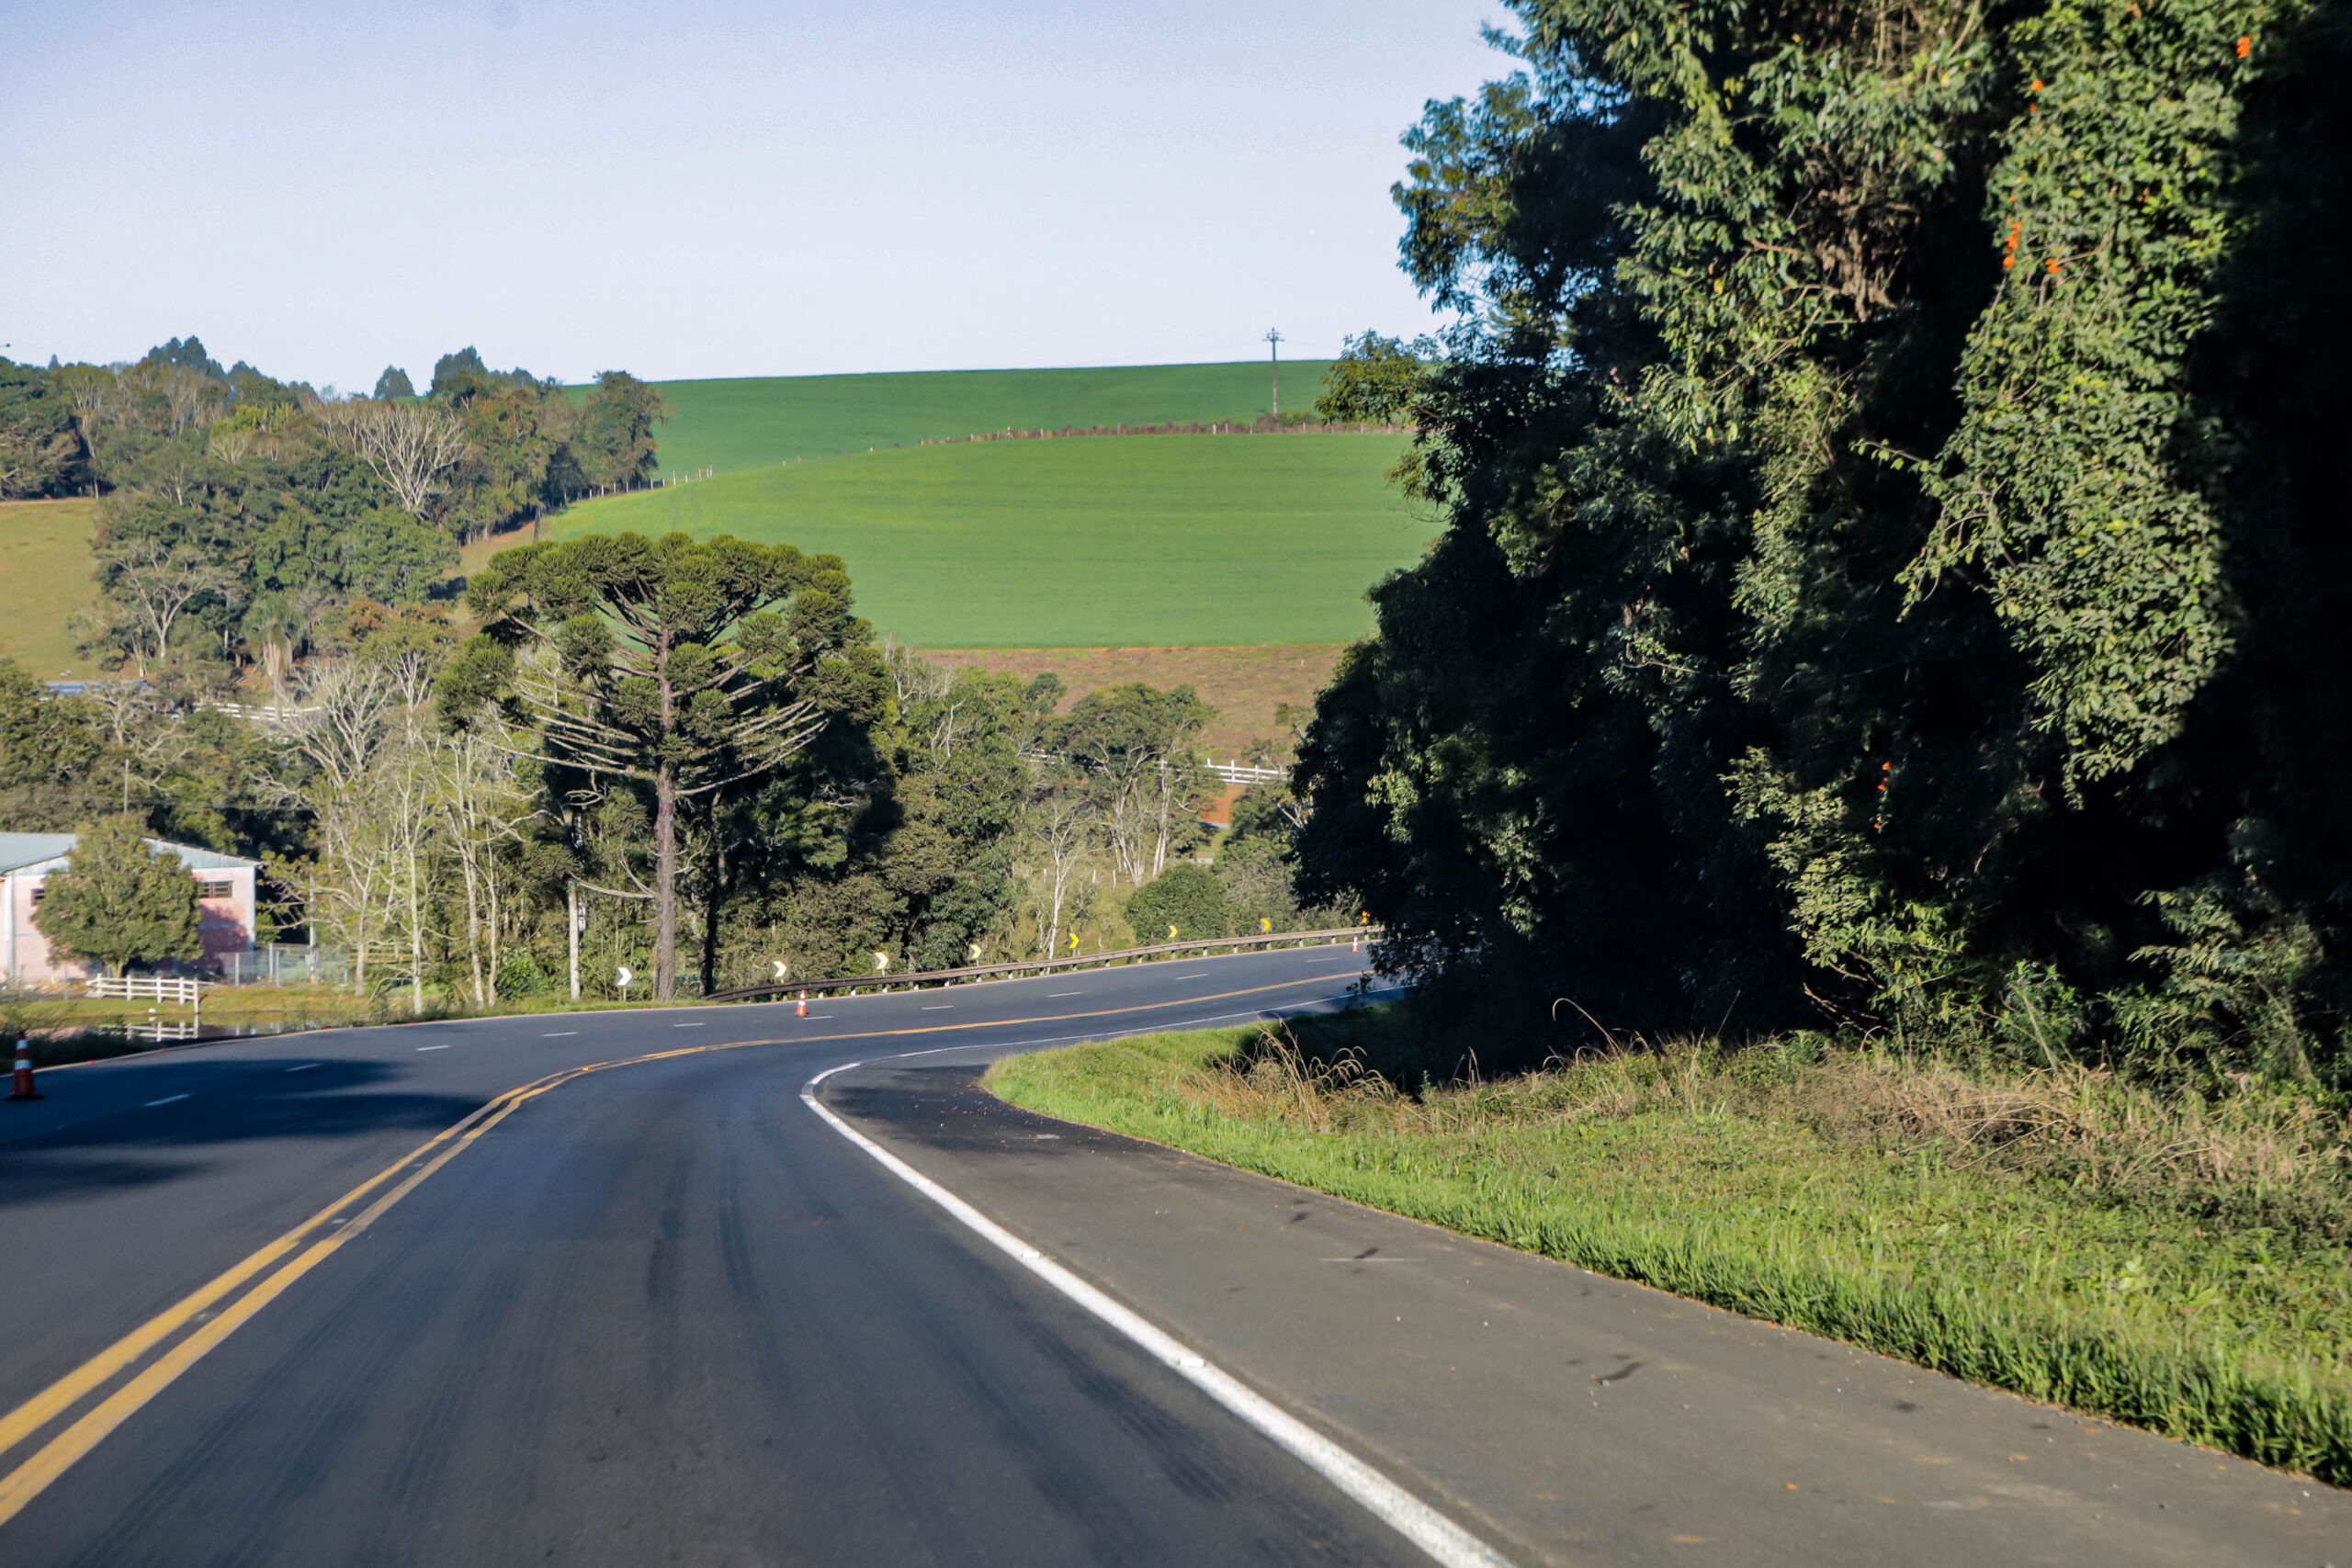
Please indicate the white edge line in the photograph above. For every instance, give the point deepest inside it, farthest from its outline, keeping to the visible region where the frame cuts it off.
(1439, 1537)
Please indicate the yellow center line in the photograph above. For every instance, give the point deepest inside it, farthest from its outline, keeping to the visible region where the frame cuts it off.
(22, 1484)
(46, 1406)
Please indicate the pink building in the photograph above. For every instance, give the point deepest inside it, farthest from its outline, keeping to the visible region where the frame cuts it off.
(225, 890)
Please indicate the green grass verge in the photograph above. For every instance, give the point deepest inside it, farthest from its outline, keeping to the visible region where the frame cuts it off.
(2228, 1334)
(1079, 543)
(45, 576)
(754, 422)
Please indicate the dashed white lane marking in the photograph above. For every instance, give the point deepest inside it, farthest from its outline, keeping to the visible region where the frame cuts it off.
(306, 1066)
(1436, 1535)
(940, 1007)
(1052, 995)
(689, 1026)
(558, 1033)
(167, 1099)
(432, 1047)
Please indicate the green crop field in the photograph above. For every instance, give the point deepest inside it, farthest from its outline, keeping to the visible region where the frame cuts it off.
(1100, 541)
(751, 422)
(44, 577)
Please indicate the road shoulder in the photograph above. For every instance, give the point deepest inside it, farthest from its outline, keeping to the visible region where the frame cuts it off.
(1569, 1417)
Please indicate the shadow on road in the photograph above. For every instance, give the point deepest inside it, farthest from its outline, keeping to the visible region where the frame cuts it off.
(943, 1107)
(126, 1143)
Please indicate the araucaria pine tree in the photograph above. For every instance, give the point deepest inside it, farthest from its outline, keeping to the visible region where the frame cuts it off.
(681, 666)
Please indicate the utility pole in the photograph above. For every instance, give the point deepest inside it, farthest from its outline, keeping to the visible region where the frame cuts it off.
(1274, 356)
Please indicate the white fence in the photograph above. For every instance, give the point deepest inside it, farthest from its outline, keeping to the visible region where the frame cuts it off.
(146, 988)
(1231, 772)
(271, 714)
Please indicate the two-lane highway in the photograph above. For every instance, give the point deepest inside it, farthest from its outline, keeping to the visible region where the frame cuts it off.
(632, 1288)
(655, 1312)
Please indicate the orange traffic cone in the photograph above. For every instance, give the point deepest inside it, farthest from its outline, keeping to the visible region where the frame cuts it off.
(23, 1087)
(803, 1013)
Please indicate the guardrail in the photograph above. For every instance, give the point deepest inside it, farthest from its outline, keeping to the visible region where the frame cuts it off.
(1048, 965)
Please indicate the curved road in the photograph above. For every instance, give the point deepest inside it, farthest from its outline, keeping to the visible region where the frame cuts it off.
(658, 1314)
(606, 1288)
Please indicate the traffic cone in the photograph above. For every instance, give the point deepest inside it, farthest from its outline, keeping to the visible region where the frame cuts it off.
(803, 1013)
(1355, 944)
(23, 1087)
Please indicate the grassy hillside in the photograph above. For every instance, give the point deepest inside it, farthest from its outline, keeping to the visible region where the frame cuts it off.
(1094, 542)
(44, 577)
(751, 422)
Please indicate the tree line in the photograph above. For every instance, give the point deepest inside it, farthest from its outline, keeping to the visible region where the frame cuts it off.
(239, 516)
(1892, 577)
(691, 759)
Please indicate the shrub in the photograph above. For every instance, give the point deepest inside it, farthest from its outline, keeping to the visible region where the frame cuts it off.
(1184, 896)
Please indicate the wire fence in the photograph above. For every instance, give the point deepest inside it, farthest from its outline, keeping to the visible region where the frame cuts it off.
(285, 963)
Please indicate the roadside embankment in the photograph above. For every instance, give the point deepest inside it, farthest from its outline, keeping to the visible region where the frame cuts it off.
(2180, 1263)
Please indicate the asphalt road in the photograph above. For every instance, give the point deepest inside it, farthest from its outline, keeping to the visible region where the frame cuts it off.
(659, 1314)
(663, 1312)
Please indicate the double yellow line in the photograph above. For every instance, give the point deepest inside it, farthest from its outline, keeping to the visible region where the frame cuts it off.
(316, 1240)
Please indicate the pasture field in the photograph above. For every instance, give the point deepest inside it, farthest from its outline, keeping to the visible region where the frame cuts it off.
(751, 422)
(1092, 542)
(44, 577)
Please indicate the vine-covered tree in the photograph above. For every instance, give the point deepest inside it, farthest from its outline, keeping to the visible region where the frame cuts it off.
(1889, 572)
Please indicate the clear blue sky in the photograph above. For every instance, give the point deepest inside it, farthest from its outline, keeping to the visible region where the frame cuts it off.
(705, 188)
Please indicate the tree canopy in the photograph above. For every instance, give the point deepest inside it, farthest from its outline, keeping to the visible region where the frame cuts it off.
(118, 903)
(687, 666)
(1889, 579)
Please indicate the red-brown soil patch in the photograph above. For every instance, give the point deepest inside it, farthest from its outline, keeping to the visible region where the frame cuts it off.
(1244, 684)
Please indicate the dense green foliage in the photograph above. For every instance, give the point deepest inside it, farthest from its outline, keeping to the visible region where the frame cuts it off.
(39, 452)
(1376, 380)
(236, 511)
(1172, 540)
(1184, 903)
(199, 778)
(118, 903)
(1892, 571)
(2042, 1232)
(682, 667)
(754, 422)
